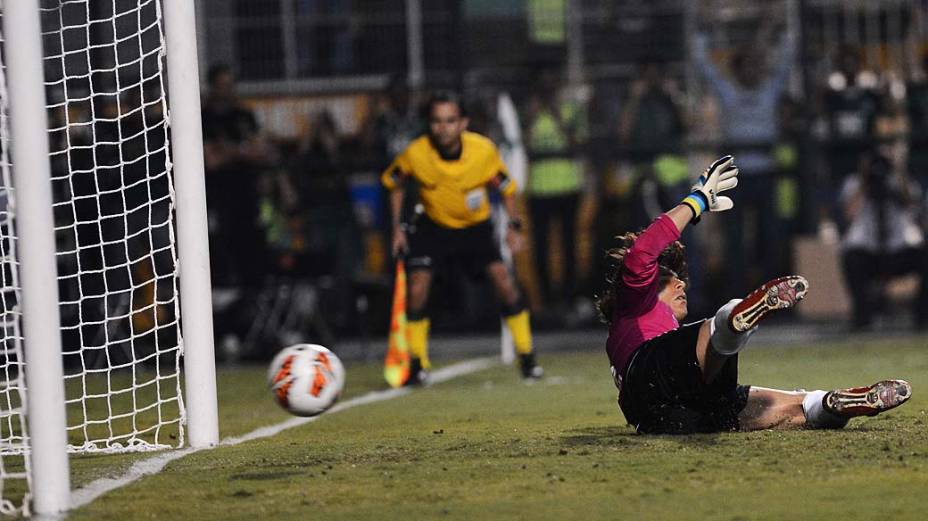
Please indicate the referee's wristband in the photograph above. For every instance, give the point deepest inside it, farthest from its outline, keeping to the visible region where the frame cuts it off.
(696, 202)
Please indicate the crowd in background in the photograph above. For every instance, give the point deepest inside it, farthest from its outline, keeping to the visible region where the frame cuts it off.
(847, 163)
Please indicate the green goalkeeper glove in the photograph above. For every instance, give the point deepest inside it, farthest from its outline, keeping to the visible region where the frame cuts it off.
(720, 176)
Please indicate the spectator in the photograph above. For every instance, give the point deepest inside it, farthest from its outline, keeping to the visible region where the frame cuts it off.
(851, 105)
(883, 238)
(917, 108)
(749, 102)
(555, 129)
(93, 183)
(847, 108)
(236, 153)
(325, 200)
(398, 121)
(652, 121)
(363, 160)
(794, 154)
(652, 130)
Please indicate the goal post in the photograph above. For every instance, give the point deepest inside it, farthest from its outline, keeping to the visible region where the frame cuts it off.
(192, 232)
(104, 256)
(45, 402)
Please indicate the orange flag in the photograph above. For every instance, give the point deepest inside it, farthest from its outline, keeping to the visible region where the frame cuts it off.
(396, 364)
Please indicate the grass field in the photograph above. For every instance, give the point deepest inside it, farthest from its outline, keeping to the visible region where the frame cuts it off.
(488, 446)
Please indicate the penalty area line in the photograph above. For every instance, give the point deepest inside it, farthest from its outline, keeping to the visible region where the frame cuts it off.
(93, 490)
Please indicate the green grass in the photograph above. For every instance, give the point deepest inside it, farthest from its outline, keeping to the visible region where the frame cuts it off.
(488, 446)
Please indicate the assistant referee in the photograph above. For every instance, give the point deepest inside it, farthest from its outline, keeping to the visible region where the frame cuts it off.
(454, 169)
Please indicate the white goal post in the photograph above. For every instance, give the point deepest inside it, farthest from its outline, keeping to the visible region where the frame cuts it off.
(104, 240)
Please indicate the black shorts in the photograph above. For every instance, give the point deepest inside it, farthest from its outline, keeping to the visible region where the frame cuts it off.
(663, 391)
(432, 245)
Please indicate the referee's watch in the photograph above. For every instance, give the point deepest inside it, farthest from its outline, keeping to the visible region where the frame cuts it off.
(515, 224)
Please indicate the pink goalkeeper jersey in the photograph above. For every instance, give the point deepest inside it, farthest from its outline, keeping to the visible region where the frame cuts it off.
(639, 315)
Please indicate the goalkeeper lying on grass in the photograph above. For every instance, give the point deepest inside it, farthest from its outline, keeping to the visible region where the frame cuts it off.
(682, 379)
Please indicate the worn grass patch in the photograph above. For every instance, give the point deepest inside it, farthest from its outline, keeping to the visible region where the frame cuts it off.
(488, 446)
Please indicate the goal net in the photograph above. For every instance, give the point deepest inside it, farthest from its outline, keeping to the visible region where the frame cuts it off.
(13, 456)
(113, 202)
(108, 131)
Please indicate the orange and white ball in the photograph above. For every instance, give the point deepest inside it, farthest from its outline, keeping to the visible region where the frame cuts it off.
(306, 379)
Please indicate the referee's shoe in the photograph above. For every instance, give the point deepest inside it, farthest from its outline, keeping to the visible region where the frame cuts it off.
(777, 294)
(418, 376)
(529, 367)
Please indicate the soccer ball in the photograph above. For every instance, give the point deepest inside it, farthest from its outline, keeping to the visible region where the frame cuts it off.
(306, 379)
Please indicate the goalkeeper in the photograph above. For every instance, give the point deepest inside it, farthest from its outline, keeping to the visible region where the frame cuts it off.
(675, 379)
(453, 169)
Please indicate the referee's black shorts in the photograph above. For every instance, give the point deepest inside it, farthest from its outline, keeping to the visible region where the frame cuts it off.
(432, 245)
(663, 391)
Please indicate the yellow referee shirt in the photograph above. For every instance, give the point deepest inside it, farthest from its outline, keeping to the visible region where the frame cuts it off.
(453, 192)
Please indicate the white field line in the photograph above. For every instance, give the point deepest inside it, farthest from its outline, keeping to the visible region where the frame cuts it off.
(97, 488)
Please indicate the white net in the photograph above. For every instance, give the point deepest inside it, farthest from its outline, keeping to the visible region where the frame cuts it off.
(14, 475)
(116, 259)
(113, 208)
(113, 205)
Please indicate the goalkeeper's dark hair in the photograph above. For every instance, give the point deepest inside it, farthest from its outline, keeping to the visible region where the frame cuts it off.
(671, 263)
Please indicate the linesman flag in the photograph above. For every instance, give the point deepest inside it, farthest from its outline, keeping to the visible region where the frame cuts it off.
(396, 364)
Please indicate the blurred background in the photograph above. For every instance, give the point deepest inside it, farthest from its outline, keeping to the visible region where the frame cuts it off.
(824, 104)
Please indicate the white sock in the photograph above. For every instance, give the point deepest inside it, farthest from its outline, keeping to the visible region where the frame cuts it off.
(817, 417)
(723, 340)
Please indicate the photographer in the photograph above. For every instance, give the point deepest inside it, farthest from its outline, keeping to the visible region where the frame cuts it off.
(882, 238)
